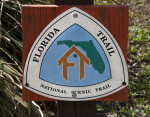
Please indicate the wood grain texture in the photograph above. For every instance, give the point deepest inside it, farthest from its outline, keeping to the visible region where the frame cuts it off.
(36, 18)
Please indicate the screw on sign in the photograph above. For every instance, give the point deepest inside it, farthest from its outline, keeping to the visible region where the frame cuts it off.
(75, 55)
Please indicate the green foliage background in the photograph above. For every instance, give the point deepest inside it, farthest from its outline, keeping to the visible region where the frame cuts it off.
(11, 104)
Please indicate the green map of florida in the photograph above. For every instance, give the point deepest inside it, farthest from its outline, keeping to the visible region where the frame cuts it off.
(92, 53)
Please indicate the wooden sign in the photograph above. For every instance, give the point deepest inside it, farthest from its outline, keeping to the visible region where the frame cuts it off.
(75, 55)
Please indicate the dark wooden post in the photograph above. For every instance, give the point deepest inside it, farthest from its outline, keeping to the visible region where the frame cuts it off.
(76, 109)
(74, 2)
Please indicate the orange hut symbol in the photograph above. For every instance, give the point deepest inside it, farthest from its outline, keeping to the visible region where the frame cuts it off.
(64, 60)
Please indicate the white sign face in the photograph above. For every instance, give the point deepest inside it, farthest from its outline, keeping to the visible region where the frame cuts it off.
(75, 58)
